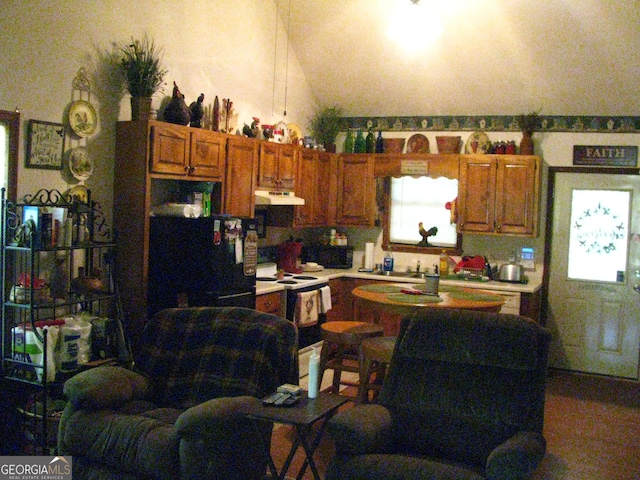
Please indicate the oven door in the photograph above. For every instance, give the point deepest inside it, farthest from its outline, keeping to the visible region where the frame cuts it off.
(306, 335)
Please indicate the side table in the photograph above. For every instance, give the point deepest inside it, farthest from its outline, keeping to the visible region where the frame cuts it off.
(303, 415)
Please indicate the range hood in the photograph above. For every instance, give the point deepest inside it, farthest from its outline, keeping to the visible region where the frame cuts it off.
(266, 197)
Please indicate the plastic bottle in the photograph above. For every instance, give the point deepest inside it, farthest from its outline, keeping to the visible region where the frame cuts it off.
(314, 371)
(444, 264)
(387, 264)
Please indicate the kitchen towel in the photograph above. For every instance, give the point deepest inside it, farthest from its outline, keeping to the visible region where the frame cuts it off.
(368, 256)
(325, 299)
(306, 313)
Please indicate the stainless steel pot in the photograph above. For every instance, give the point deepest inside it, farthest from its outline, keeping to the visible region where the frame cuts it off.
(511, 272)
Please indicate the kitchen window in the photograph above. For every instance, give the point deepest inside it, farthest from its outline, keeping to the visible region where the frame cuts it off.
(420, 214)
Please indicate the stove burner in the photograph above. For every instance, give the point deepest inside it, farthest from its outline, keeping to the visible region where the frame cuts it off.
(287, 282)
(304, 277)
(265, 279)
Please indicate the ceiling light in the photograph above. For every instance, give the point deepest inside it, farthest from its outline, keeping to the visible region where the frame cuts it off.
(414, 27)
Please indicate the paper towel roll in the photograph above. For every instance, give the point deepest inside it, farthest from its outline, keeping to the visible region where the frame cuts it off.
(368, 256)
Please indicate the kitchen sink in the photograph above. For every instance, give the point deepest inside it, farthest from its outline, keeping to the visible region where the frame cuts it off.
(400, 274)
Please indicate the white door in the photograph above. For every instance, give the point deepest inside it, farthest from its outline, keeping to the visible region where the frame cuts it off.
(594, 309)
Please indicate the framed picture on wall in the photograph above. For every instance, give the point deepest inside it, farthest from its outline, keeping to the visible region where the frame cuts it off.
(45, 145)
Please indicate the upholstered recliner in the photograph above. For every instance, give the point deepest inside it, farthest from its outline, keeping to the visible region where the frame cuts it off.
(180, 413)
(463, 399)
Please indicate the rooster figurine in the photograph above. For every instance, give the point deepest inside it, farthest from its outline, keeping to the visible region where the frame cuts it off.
(196, 111)
(177, 111)
(425, 234)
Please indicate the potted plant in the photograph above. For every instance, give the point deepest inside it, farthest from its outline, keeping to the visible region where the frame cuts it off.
(528, 124)
(140, 64)
(325, 125)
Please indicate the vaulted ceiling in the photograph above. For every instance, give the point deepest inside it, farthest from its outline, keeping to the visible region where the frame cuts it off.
(480, 57)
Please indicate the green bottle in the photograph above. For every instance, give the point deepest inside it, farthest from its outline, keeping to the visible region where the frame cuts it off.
(360, 145)
(348, 142)
(370, 142)
(379, 143)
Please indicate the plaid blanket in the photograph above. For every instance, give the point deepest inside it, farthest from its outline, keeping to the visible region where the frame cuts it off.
(195, 354)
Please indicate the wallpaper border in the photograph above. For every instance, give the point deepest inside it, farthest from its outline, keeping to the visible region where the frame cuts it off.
(497, 123)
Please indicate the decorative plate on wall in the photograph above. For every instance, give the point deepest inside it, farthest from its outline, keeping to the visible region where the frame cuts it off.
(80, 164)
(478, 142)
(83, 118)
(295, 133)
(418, 143)
(79, 193)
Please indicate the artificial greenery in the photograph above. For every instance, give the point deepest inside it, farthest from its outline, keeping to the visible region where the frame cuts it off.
(325, 124)
(528, 122)
(140, 63)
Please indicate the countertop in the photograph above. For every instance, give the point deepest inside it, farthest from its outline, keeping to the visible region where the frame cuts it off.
(535, 281)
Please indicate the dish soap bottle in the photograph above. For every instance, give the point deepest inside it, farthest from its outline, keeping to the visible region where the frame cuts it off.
(444, 264)
(387, 264)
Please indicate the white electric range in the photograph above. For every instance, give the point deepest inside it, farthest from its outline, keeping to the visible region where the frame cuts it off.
(267, 275)
(293, 284)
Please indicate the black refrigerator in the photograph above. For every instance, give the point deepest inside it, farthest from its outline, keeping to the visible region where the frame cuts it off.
(205, 261)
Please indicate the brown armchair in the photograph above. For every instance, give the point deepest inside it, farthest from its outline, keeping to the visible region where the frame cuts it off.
(463, 399)
(180, 414)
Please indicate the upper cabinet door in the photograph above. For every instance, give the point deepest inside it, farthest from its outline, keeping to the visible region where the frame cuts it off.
(517, 194)
(208, 155)
(287, 166)
(268, 165)
(498, 194)
(356, 190)
(325, 189)
(306, 188)
(476, 199)
(277, 167)
(170, 149)
(240, 183)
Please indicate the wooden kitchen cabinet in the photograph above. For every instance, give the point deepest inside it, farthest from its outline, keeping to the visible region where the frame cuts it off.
(313, 183)
(356, 193)
(240, 180)
(341, 299)
(277, 166)
(139, 185)
(270, 303)
(184, 151)
(499, 194)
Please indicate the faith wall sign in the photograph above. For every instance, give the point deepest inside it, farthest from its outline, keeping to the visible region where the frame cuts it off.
(605, 156)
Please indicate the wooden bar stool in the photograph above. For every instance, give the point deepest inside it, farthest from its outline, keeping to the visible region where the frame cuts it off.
(340, 348)
(375, 356)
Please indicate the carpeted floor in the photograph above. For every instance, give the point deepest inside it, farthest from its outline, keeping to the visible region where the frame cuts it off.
(592, 426)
